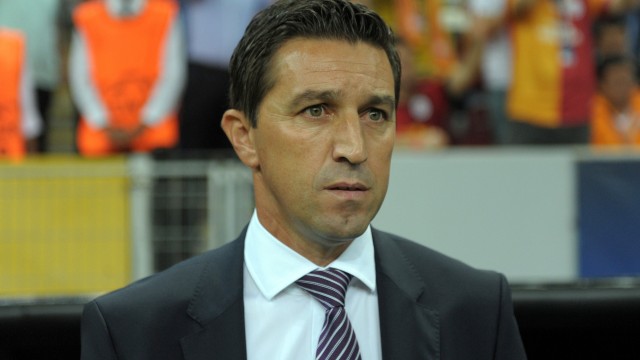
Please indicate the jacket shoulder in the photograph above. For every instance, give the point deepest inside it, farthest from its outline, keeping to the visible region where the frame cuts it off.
(172, 287)
(442, 274)
(152, 315)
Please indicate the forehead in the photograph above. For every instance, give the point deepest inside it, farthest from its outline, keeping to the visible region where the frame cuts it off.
(308, 62)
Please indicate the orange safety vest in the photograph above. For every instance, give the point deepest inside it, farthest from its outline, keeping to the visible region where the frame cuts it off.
(12, 61)
(125, 56)
(603, 127)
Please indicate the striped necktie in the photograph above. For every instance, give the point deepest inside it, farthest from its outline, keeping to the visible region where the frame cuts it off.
(337, 338)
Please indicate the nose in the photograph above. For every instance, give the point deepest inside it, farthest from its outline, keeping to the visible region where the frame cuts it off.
(349, 140)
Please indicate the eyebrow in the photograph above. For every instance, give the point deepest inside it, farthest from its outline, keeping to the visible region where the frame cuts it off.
(386, 100)
(332, 96)
(314, 95)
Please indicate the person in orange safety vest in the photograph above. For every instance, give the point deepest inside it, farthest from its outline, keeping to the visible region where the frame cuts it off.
(20, 122)
(127, 70)
(615, 113)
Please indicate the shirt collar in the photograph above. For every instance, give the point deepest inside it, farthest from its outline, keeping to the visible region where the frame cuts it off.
(274, 266)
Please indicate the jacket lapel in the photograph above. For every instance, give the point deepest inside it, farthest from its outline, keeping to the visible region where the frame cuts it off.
(218, 307)
(409, 329)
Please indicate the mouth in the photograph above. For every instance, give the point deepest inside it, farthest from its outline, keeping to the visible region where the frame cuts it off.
(349, 191)
(345, 186)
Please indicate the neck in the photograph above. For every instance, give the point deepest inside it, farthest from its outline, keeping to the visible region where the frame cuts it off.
(314, 250)
(619, 106)
(117, 8)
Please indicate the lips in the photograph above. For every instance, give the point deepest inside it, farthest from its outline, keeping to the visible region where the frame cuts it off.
(348, 187)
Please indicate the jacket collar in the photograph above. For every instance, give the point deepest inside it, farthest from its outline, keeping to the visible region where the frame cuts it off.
(218, 307)
(408, 328)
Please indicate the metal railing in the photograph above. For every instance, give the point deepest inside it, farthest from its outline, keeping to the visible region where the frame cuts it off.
(183, 207)
(71, 226)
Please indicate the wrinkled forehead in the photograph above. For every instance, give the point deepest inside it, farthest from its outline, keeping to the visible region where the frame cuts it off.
(330, 59)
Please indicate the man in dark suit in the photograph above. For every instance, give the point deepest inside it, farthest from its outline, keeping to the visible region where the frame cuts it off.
(314, 88)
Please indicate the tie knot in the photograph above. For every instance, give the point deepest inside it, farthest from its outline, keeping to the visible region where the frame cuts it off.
(328, 286)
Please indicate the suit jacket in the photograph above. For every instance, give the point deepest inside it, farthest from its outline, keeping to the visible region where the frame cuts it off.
(431, 307)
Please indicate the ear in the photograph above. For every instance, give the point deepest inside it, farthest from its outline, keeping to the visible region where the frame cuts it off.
(240, 133)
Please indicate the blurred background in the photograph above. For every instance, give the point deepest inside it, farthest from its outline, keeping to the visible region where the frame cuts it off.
(517, 143)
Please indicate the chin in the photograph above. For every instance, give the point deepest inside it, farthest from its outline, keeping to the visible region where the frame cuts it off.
(346, 233)
(341, 229)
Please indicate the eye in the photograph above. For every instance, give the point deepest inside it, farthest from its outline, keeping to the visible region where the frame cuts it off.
(314, 111)
(376, 115)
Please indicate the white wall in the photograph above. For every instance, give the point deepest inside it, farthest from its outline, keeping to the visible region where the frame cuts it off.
(510, 210)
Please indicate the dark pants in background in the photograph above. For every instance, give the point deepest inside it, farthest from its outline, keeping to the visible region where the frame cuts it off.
(522, 133)
(205, 101)
(43, 98)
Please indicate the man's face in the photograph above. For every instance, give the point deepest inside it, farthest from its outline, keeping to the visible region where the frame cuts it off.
(618, 83)
(612, 40)
(323, 142)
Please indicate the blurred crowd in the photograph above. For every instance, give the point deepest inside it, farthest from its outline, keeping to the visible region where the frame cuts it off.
(147, 75)
(517, 72)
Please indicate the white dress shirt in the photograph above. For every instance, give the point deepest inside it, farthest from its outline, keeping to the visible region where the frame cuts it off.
(282, 321)
(31, 120)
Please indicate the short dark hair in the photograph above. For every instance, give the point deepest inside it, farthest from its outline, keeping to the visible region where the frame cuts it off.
(288, 19)
(612, 20)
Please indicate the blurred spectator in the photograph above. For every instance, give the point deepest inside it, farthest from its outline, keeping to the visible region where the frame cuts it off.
(38, 20)
(20, 122)
(489, 28)
(553, 78)
(423, 111)
(438, 34)
(615, 118)
(213, 28)
(610, 36)
(126, 70)
(431, 29)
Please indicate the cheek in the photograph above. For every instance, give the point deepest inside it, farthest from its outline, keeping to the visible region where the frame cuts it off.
(290, 166)
(380, 159)
(608, 90)
(617, 91)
